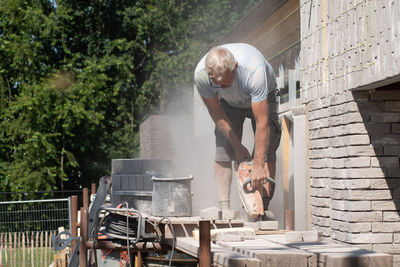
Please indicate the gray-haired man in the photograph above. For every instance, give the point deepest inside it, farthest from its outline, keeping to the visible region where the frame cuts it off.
(236, 82)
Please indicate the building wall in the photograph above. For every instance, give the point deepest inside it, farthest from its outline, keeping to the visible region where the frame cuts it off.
(347, 45)
(350, 66)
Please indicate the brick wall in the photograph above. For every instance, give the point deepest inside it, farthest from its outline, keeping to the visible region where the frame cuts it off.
(354, 168)
(348, 44)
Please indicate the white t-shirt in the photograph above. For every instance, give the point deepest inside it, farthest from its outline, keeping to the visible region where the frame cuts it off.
(254, 78)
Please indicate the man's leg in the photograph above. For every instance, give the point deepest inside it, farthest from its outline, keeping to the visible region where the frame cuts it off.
(223, 175)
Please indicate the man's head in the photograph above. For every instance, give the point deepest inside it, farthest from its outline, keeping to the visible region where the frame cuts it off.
(220, 66)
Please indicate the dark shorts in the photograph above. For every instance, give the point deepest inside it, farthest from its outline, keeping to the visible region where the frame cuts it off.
(224, 150)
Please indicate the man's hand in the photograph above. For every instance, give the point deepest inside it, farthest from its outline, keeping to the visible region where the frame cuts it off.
(241, 153)
(258, 176)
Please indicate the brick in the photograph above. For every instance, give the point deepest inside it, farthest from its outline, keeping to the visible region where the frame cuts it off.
(385, 117)
(358, 173)
(353, 162)
(385, 162)
(371, 194)
(387, 205)
(350, 140)
(341, 152)
(359, 216)
(346, 205)
(321, 143)
(396, 193)
(322, 221)
(393, 173)
(360, 95)
(347, 118)
(396, 237)
(320, 163)
(350, 184)
(355, 128)
(371, 106)
(385, 227)
(370, 238)
(320, 202)
(378, 129)
(347, 107)
(320, 192)
(320, 173)
(322, 133)
(379, 183)
(323, 182)
(391, 150)
(363, 227)
(387, 248)
(387, 139)
(392, 106)
(391, 216)
(319, 153)
(321, 211)
(368, 150)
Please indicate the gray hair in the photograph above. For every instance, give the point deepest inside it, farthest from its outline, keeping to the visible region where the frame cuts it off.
(218, 61)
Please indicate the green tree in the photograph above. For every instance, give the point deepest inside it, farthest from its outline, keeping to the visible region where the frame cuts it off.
(78, 77)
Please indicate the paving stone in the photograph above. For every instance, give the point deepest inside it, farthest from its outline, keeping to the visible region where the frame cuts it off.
(273, 254)
(226, 233)
(302, 236)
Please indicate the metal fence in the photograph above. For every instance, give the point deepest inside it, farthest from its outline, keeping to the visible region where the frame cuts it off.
(34, 215)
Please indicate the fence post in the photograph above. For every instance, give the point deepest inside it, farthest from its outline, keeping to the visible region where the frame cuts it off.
(74, 213)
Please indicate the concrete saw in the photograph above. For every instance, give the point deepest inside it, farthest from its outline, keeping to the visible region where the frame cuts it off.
(251, 198)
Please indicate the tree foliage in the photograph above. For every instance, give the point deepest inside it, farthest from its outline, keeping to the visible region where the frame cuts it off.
(77, 78)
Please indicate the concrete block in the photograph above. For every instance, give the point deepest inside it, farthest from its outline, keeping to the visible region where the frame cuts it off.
(268, 225)
(302, 236)
(212, 213)
(230, 215)
(253, 225)
(226, 237)
(127, 166)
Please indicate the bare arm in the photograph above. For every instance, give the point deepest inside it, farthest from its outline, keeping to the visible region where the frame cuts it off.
(260, 111)
(222, 122)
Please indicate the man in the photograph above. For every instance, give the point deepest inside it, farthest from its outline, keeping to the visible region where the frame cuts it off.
(235, 81)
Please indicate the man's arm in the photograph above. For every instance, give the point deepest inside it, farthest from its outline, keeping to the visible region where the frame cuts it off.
(260, 111)
(222, 122)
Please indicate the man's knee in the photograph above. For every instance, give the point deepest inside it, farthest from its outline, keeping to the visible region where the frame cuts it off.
(223, 164)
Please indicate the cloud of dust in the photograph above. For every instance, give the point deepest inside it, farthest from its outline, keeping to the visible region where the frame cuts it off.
(192, 140)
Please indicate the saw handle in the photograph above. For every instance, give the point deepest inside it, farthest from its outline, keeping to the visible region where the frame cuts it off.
(252, 190)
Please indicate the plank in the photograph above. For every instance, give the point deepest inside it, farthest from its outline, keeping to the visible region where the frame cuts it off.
(285, 161)
(15, 249)
(32, 249)
(23, 247)
(41, 246)
(45, 252)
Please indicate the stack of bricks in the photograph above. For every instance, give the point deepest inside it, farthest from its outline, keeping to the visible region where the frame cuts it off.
(354, 168)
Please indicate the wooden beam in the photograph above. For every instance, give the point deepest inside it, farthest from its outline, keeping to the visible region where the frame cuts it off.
(285, 161)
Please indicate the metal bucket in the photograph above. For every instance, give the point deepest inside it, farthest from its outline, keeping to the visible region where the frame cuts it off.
(172, 196)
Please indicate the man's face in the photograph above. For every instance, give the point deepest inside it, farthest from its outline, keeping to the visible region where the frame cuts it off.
(227, 79)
